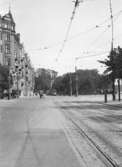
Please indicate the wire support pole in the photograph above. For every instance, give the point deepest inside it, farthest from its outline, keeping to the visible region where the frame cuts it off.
(76, 77)
(9, 78)
(112, 48)
(70, 83)
(112, 25)
(17, 84)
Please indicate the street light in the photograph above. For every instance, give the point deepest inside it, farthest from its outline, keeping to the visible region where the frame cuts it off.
(76, 76)
(70, 83)
(17, 76)
(26, 79)
(112, 46)
(9, 77)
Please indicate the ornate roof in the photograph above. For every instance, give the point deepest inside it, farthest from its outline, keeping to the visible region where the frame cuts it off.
(8, 17)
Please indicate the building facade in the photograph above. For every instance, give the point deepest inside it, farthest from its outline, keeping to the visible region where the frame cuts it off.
(13, 55)
(7, 39)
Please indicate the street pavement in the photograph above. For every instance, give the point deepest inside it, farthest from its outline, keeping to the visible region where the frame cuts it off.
(101, 122)
(31, 135)
(34, 132)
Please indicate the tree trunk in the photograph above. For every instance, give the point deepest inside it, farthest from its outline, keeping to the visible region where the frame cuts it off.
(113, 89)
(119, 98)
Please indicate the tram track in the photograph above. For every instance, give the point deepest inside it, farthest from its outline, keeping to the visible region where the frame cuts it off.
(114, 106)
(104, 157)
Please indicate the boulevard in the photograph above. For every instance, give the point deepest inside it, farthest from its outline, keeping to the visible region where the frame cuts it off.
(60, 131)
(60, 83)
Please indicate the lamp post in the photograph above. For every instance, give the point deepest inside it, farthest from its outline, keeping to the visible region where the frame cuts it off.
(76, 81)
(119, 94)
(9, 78)
(17, 75)
(70, 83)
(112, 41)
(76, 76)
(26, 79)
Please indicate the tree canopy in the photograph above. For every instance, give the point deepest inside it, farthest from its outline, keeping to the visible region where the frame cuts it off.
(89, 82)
(113, 63)
(4, 72)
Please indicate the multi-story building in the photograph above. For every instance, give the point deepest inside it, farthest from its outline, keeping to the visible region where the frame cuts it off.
(7, 38)
(13, 55)
(28, 76)
(48, 73)
(53, 75)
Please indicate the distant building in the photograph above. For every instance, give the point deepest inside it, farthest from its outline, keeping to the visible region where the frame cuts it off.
(51, 75)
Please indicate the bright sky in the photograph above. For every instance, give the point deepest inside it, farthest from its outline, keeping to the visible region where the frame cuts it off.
(43, 25)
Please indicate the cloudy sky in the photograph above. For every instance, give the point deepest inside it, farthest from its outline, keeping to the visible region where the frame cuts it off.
(43, 25)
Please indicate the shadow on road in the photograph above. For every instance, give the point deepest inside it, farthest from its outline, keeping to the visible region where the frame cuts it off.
(93, 109)
(24, 153)
(92, 105)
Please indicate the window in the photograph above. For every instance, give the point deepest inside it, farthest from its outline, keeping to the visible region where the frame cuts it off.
(8, 26)
(7, 48)
(5, 25)
(8, 37)
(12, 28)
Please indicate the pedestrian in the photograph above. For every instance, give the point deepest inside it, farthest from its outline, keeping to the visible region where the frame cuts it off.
(40, 93)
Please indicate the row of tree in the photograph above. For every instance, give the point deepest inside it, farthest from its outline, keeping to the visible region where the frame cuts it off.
(89, 82)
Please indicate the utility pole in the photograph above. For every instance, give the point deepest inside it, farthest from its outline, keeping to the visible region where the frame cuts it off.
(70, 83)
(112, 25)
(17, 84)
(119, 94)
(112, 41)
(9, 78)
(17, 75)
(76, 82)
(26, 79)
(76, 76)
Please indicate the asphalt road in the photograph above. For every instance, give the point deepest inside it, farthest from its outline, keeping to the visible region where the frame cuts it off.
(31, 135)
(35, 132)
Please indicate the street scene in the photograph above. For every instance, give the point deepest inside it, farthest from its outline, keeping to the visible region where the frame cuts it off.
(61, 83)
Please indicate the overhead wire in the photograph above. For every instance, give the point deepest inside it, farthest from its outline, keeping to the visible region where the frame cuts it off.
(94, 55)
(98, 54)
(102, 53)
(116, 16)
(79, 34)
(106, 29)
(94, 27)
(97, 26)
(91, 29)
(69, 27)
